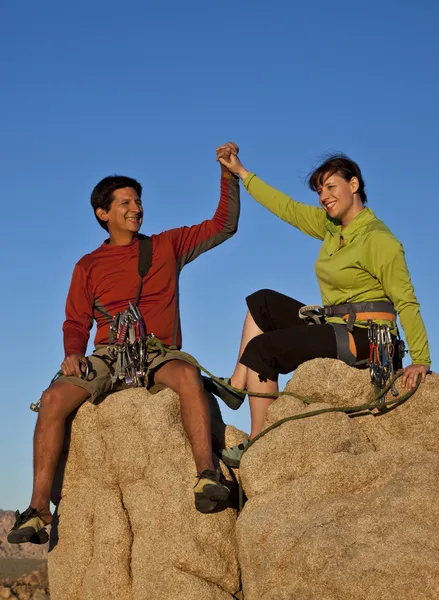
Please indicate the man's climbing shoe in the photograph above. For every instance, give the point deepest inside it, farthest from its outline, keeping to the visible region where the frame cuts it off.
(232, 456)
(28, 527)
(210, 491)
(232, 399)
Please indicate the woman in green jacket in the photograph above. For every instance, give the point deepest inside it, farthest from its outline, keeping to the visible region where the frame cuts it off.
(360, 261)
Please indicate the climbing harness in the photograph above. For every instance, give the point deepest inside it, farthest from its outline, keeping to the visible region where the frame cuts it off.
(386, 351)
(362, 311)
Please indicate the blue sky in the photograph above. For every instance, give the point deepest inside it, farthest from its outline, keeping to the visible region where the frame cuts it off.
(149, 90)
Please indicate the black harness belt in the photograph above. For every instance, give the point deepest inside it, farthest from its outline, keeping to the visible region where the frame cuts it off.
(361, 311)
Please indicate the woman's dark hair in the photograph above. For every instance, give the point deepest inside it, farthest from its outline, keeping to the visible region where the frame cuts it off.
(341, 165)
(102, 195)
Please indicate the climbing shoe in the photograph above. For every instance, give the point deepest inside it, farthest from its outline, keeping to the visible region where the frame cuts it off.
(232, 399)
(232, 456)
(28, 527)
(210, 491)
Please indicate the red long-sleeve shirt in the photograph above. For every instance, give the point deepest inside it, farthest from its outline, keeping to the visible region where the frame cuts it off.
(105, 280)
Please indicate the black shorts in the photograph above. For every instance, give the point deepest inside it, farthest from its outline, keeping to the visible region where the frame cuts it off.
(287, 340)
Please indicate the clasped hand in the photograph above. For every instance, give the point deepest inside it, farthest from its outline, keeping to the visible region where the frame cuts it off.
(227, 155)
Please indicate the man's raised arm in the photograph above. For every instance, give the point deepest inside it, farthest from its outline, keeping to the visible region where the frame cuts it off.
(190, 242)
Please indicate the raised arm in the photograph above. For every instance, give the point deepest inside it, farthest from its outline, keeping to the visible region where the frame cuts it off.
(308, 219)
(190, 242)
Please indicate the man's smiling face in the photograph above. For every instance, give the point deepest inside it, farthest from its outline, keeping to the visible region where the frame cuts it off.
(125, 212)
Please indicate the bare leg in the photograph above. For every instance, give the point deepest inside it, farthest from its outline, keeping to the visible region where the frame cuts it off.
(56, 404)
(243, 377)
(259, 406)
(185, 380)
(249, 331)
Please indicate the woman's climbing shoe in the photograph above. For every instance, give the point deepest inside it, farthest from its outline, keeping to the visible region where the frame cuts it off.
(232, 399)
(28, 527)
(232, 456)
(210, 491)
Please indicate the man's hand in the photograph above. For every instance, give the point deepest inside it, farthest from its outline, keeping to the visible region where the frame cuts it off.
(227, 155)
(74, 364)
(411, 374)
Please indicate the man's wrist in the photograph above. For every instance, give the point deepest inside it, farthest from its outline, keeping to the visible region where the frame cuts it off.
(74, 352)
(226, 173)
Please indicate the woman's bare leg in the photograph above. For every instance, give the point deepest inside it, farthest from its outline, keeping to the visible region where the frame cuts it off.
(243, 377)
(240, 374)
(259, 406)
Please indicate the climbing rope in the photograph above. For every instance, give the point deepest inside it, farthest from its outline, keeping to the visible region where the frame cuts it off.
(378, 402)
(154, 345)
(367, 407)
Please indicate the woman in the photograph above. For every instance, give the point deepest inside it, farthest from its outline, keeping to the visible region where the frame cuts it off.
(360, 261)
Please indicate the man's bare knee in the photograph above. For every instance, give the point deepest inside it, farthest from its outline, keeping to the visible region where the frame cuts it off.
(51, 404)
(179, 375)
(60, 399)
(190, 375)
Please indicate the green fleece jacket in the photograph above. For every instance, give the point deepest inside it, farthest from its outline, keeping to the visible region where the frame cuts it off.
(369, 264)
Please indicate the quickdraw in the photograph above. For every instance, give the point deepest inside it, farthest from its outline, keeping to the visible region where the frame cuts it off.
(129, 351)
(384, 354)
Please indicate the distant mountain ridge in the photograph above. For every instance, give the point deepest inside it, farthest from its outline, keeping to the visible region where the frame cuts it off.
(7, 519)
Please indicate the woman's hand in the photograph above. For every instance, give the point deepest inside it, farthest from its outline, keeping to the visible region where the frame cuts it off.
(411, 373)
(227, 155)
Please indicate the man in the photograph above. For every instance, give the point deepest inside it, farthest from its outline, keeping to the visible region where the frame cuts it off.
(104, 283)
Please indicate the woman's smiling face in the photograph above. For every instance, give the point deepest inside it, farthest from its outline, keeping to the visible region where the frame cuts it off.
(339, 198)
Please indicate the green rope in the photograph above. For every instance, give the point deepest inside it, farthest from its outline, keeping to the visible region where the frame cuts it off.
(368, 407)
(155, 345)
(375, 404)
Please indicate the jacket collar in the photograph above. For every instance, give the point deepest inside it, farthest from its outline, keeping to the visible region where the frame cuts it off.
(359, 222)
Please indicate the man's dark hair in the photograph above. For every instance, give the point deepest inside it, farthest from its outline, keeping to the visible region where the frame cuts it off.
(341, 165)
(102, 195)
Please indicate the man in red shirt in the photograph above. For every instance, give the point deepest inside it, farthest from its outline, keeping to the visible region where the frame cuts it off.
(104, 283)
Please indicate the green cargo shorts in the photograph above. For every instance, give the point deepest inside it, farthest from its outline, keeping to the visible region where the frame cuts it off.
(98, 382)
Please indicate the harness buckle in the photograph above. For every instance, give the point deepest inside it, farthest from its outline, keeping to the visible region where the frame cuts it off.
(313, 314)
(351, 321)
